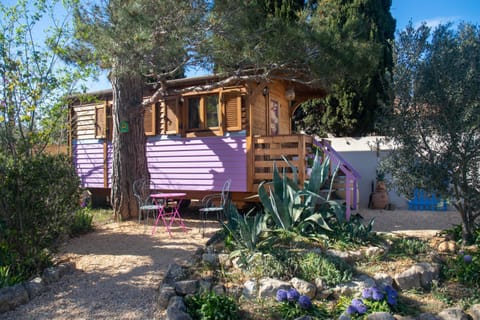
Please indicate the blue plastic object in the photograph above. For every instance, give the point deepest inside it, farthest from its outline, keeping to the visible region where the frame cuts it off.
(425, 201)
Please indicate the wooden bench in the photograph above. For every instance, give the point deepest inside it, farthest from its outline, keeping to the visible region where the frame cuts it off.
(425, 201)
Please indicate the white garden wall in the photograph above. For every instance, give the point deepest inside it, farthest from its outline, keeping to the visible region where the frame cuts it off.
(364, 154)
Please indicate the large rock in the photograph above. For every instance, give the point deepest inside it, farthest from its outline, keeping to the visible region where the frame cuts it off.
(177, 310)
(453, 314)
(268, 287)
(174, 273)
(380, 316)
(304, 287)
(165, 293)
(34, 287)
(250, 289)
(12, 297)
(185, 287)
(475, 312)
(210, 259)
(419, 275)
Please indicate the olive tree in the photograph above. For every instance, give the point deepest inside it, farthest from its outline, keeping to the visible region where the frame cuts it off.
(435, 126)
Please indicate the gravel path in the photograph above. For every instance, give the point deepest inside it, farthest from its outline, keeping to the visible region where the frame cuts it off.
(117, 271)
(120, 265)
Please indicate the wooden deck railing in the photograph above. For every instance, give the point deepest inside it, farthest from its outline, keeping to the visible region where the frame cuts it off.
(297, 149)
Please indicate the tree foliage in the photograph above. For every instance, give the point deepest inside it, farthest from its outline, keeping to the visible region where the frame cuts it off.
(287, 36)
(34, 84)
(435, 127)
(353, 105)
(141, 42)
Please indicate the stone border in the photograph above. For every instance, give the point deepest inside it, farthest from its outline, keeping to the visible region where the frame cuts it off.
(21, 293)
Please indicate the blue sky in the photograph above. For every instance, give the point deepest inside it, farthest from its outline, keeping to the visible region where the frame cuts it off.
(432, 12)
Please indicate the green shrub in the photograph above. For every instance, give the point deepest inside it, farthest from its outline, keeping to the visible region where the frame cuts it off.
(333, 270)
(352, 232)
(210, 306)
(407, 247)
(464, 267)
(82, 222)
(38, 196)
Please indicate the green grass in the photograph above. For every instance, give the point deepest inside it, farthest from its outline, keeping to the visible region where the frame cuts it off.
(102, 216)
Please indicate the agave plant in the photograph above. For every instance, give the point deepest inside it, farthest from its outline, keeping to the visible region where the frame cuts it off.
(245, 229)
(295, 208)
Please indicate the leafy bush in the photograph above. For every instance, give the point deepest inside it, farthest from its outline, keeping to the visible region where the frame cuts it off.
(281, 263)
(82, 223)
(464, 267)
(38, 196)
(210, 306)
(351, 232)
(333, 270)
(407, 247)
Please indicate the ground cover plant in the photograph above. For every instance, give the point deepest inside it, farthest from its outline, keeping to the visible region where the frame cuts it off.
(271, 241)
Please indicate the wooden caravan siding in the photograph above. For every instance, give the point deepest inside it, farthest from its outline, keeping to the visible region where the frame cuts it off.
(198, 164)
(89, 162)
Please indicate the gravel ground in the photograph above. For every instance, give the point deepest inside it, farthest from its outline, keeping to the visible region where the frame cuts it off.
(117, 271)
(120, 265)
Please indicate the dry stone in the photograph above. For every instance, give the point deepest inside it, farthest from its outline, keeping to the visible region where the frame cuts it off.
(380, 316)
(453, 314)
(475, 312)
(177, 310)
(304, 287)
(164, 296)
(250, 289)
(185, 287)
(268, 287)
(34, 287)
(12, 297)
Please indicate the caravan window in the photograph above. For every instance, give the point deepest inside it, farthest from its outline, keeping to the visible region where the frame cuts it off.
(203, 112)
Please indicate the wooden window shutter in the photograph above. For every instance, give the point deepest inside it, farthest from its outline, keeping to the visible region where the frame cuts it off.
(101, 121)
(233, 111)
(109, 121)
(172, 116)
(149, 119)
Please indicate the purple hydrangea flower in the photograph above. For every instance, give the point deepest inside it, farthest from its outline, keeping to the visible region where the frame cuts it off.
(392, 295)
(293, 295)
(367, 293)
(391, 300)
(467, 258)
(281, 295)
(351, 310)
(359, 306)
(305, 302)
(377, 295)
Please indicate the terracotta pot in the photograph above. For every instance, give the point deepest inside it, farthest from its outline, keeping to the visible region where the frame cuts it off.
(380, 186)
(379, 200)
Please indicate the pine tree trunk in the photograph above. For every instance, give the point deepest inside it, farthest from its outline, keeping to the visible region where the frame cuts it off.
(129, 148)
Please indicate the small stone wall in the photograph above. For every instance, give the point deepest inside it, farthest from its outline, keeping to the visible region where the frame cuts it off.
(12, 297)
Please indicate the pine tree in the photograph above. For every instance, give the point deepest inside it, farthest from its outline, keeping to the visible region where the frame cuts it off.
(139, 41)
(355, 102)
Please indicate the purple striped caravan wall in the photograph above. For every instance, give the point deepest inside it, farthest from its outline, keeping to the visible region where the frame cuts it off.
(88, 161)
(198, 164)
(194, 164)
